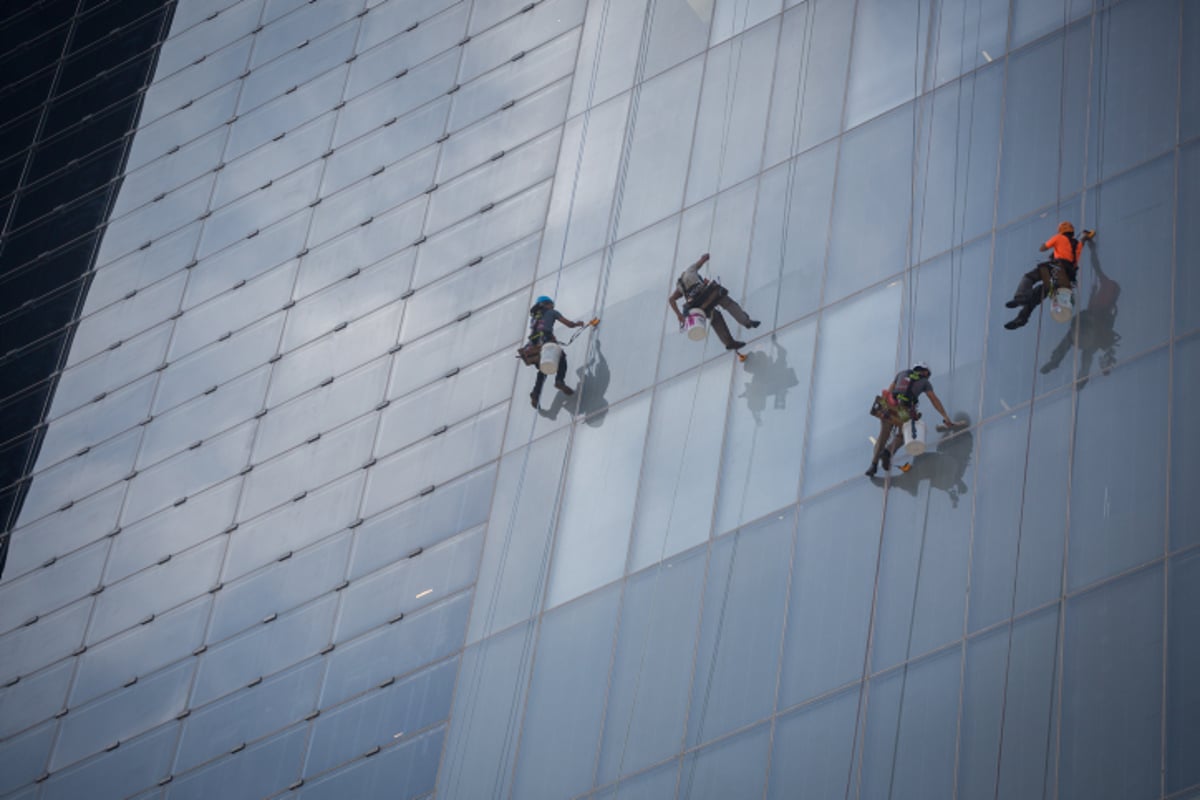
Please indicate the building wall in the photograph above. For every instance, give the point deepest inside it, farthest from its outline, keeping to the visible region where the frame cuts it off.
(294, 529)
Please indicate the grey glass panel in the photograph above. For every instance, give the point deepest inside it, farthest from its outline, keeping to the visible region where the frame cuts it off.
(52, 588)
(422, 522)
(648, 691)
(1126, 270)
(731, 17)
(196, 80)
(492, 681)
(410, 584)
(187, 473)
(123, 715)
(124, 319)
(1044, 122)
(140, 652)
(135, 766)
(221, 271)
(74, 479)
(736, 767)
(264, 650)
(514, 79)
(811, 751)
(24, 758)
(248, 715)
(422, 637)
(363, 247)
(321, 410)
(383, 192)
(180, 207)
(787, 255)
(380, 717)
(1183, 659)
(292, 29)
(652, 785)
(607, 456)
(307, 467)
(63, 532)
(521, 32)
(577, 221)
(607, 58)
(888, 60)
(1185, 427)
(1031, 18)
(126, 604)
(405, 771)
(741, 627)
(203, 417)
(257, 771)
(388, 24)
(846, 378)
(36, 699)
(53, 637)
(830, 602)
(679, 474)
(202, 36)
(155, 139)
(1020, 511)
(513, 570)
(561, 726)
(969, 34)
(1112, 690)
(299, 66)
(284, 114)
(1118, 506)
(241, 219)
(504, 130)
(1187, 239)
(109, 370)
(279, 587)
(218, 363)
(171, 531)
(293, 526)
(1189, 97)
(396, 97)
(871, 209)
(141, 268)
(732, 120)
(164, 174)
(1023, 697)
(193, 14)
(387, 145)
(268, 163)
(909, 740)
(96, 422)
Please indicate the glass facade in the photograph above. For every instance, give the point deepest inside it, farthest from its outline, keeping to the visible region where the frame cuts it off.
(294, 529)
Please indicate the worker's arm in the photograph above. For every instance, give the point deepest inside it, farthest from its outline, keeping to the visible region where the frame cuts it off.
(673, 301)
(1043, 248)
(700, 262)
(933, 398)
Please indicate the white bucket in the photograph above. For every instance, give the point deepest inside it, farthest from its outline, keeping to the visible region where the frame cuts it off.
(1062, 305)
(914, 437)
(551, 353)
(695, 325)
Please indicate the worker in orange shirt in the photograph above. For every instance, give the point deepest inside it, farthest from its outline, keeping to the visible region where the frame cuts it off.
(1058, 272)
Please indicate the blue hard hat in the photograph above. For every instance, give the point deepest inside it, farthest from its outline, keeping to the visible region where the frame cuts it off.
(543, 299)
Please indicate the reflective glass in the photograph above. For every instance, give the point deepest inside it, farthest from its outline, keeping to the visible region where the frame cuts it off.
(1185, 427)
(97, 422)
(25, 600)
(63, 532)
(53, 637)
(811, 753)
(196, 80)
(134, 766)
(268, 80)
(60, 486)
(405, 770)
(519, 32)
(268, 163)
(291, 29)
(441, 24)
(389, 144)
(141, 268)
(735, 767)
(604, 49)
(188, 43)
(246, 260)
(284, 114)
(1183, 658)
(396, 97)
(1187, 242)
(1031, 18)
(39, 698)
(257, 771)
(888, 59)
(23, 758)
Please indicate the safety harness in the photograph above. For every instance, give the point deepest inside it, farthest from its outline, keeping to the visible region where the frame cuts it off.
(703, 295)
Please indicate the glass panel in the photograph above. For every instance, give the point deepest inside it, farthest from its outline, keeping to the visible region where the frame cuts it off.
(248, 715)
(140, 268)
(1033, 18)
(51, 588)
(872, 204)
(284, 114)
(165, 174)
(970, 33)
(133, 767)
(363, 247)
(22, 759)
(155, 139)
(258, 771)
(397, 97)
(179, 208)
(648, 693)
(736, 767)
(653, 785)
(75, 479)
(733, 112)
(109, 370)
(214, 365)
(679, 476)
(299, 66)
(1009, 675)
(1187, 239)
(442, 24)
(608, 456)
(291, 29)
(520, 32)
(244, 261)
(196, 80)
(1183, 660)
(387, 145)
(847, 377)
(364, 200)
(830, 603)
(761, 462)
(241, 219)
(63, 532)
(262, 166)
(606, 54)
(561, 726)
(1185, 427)
(889, 58)
(1113, 690)
(812, 749)
(39, 697)
(1189, 97)
(53, 637)
(1118, 506)
(405, 771)
(122, 320)
(741, 627)
(197, 39)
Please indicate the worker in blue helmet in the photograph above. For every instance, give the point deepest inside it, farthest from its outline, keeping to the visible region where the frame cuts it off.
(896, 405)
(542, 317)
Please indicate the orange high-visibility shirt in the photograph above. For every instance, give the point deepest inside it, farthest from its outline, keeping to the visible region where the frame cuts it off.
(1061, 246)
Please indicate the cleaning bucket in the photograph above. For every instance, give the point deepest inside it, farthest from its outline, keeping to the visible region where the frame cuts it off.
(914, 437)
(1062, 305)
(695, 325)
(551, 353)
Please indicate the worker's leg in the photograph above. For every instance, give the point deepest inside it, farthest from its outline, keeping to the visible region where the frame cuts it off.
(737, 312)
(722, 330)
(538, 383)
(1025, 288)
(560, 377)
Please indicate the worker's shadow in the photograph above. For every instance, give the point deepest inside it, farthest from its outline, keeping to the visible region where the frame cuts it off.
(1094, 326)
(944, 466)
(770, 378)
(591, 384)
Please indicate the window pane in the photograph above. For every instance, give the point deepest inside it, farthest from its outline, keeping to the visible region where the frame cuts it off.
(811, 755)
(1183, 663)
(736, 767)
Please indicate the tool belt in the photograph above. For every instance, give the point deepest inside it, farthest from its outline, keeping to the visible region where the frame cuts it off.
(885, 407)
(1056, 275)
(705, 297)
(530, 353)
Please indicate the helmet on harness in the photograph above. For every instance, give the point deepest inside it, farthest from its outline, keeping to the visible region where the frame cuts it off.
(1066, 228)
(544, 300)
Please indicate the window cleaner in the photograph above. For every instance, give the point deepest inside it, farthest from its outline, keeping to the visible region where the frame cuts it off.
(701, 297)
(544, 351)
(899, 419)
(1056, 278)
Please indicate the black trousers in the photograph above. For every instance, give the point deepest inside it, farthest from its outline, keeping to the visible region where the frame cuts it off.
(718, 320)
(1025, 289)
(559, 377)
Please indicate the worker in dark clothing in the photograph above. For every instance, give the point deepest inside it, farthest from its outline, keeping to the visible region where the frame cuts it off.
(541, 330)
(896, 406)
(1057, 273)
(706, 295)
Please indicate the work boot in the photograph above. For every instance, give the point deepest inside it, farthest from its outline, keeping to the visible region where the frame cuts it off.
(753, 323)
(1016, 302)
(735, 345)
(533, 399)
(886, 458)
(1017, 322)
(870, 473)
(562, 387)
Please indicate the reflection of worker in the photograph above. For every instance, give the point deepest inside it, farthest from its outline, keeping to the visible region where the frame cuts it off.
(1058, 272)
(705, 294)
(770, 377)
(896, 406)
(541, 330)
(1096, 323)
